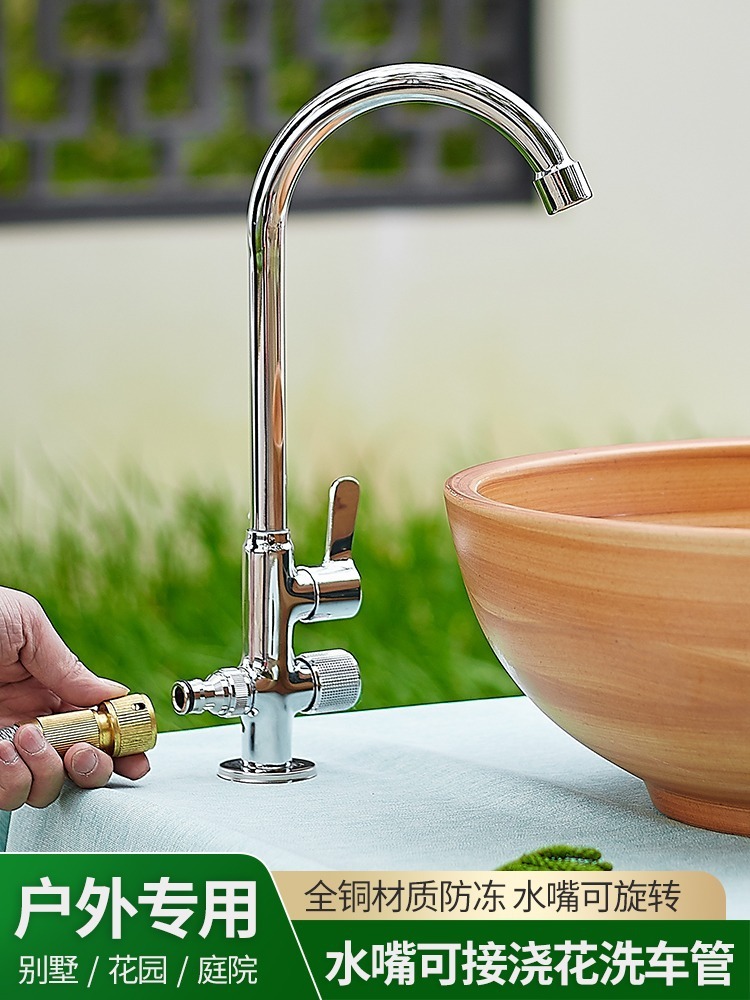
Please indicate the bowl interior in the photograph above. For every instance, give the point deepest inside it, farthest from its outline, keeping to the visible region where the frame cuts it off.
(706, 484)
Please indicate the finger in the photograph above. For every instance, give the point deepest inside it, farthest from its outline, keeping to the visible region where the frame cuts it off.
(15, 777)
(133, 767)
(43, 761)
(45, 655)
(86, 766)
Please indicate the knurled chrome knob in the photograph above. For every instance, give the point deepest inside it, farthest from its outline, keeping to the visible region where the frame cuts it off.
(336, 678)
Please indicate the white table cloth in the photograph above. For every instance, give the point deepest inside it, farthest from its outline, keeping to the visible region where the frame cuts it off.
(463, 786)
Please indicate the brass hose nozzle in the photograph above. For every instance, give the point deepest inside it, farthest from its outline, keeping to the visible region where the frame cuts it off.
(120, 727)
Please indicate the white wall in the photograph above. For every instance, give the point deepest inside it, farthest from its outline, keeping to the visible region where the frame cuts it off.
(421, 341)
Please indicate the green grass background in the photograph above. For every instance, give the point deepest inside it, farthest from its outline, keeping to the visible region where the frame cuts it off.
(145, 586)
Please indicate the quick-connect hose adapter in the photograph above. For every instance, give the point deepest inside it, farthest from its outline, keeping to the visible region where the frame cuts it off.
(120, 727)
(227, 692)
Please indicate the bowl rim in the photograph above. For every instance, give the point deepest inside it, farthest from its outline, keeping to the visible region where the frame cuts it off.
(463, 489)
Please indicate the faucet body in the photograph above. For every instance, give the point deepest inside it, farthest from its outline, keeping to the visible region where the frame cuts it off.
(271, 685)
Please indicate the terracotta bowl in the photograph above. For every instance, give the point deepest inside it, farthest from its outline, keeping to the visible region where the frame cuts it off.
(614, 586)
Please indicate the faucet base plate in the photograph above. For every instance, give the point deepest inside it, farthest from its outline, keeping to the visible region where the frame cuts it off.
(237, 769)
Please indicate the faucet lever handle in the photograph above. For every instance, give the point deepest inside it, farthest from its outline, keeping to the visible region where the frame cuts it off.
(343, 501)
(337, 585)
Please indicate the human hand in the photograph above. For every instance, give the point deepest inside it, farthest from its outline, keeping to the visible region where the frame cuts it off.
(39, 675)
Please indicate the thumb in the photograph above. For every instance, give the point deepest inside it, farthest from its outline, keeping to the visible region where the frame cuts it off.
(47, 658)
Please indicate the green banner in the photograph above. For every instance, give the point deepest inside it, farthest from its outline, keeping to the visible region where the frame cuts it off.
(451, 958)
(198, 924)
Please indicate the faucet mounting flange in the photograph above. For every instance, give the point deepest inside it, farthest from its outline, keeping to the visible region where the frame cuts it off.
(237, 769)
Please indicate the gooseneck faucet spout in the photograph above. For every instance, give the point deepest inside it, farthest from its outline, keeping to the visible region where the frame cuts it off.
(558, 179)
(271, 685)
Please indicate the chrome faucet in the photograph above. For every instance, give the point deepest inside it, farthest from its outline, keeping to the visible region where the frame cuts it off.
(271, 685)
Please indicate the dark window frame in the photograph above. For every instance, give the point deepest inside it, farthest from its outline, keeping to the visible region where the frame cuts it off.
(498, 174)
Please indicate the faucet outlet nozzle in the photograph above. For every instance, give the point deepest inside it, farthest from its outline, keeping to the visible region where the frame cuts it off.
(562, 187)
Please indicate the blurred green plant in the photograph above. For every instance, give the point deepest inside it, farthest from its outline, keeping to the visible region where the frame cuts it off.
(147, 589)
(88, 27)
(32, 91)
(104, 154)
